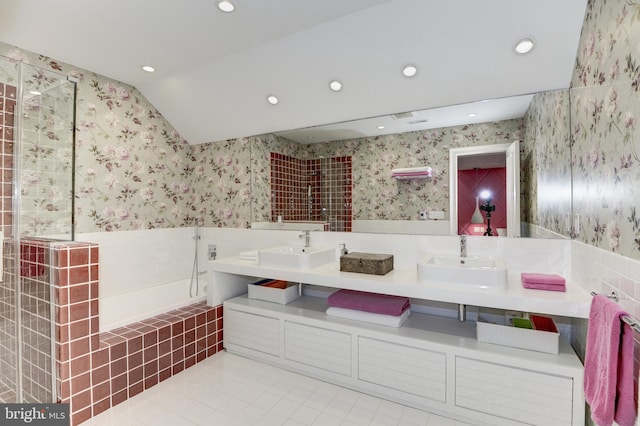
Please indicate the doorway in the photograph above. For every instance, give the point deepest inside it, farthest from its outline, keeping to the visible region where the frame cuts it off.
(481, 156)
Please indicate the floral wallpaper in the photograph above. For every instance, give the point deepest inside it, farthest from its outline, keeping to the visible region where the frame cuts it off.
(220, 177)
(605, 106)
(545, 161)
(45, 164)
(133, 170)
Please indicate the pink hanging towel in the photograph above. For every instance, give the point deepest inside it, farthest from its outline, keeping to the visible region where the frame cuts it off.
(608, 383)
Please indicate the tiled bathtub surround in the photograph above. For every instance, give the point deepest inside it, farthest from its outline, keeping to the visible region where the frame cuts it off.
(99, 370)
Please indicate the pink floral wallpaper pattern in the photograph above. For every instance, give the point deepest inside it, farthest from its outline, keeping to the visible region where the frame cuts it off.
(133, 170)
(605, 107)
(545, 161)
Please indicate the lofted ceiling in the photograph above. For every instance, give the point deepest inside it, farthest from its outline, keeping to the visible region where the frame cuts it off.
(214, 70)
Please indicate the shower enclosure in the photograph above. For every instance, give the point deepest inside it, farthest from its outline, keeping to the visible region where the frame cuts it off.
(37, 110)
(312, 190)
(329, 194)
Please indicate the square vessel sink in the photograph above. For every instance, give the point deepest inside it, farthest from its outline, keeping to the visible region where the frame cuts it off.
(465, 272)
(296, 257)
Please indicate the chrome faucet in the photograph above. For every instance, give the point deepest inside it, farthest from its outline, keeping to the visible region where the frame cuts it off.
(463, 246)
(307, 238)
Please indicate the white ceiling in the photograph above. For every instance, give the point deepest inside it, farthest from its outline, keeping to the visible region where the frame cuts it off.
(214, 70)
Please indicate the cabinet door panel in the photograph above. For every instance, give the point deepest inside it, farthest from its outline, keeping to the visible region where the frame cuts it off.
(257, 332)
(513, 393)
(403, 368)
(318, 347)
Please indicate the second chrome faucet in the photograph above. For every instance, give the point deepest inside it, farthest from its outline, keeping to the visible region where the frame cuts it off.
(307, 238)
(463, 246)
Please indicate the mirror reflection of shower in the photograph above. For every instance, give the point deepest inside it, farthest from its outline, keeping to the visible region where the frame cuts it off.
(314, 190)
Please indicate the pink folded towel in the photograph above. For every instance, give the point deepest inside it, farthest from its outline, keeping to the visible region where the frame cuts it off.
(369, 302)
(551, 282)
(547, 279)
(608, 367)
(549, 287)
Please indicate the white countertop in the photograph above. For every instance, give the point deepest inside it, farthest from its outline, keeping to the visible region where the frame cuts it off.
(575, 302)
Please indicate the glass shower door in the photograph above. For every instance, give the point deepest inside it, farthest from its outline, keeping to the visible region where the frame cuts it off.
(37, 207)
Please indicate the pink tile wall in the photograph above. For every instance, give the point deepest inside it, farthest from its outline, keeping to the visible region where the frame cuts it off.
(330, 181)
(35, 298)
(99, 370)
(7, 121)
(8, 342)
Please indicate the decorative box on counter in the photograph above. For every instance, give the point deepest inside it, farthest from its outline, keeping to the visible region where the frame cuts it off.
(276, 291)
(367, 263)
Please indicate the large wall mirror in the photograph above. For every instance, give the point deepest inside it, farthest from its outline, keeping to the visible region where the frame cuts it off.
(339, 177)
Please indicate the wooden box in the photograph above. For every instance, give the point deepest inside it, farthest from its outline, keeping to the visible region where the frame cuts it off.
(367, 263)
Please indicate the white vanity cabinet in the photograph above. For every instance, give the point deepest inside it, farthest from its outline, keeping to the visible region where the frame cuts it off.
(432, 363)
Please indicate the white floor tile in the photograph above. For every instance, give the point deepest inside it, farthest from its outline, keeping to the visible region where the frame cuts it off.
(285, 407)
(266, 400)
(318, 400)
(305, 415)
(272, 419)
(435, 420)
(412, 416)
(228, 390)
(360, 415)
(326, 419)
(338, 408)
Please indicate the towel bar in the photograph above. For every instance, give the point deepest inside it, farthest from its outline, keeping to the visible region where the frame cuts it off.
(633, 323)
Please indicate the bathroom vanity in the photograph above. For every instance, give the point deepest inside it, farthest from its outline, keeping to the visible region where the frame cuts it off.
(431, 362)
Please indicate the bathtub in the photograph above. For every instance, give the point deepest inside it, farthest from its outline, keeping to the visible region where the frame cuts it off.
(143, 273)
(125, 308)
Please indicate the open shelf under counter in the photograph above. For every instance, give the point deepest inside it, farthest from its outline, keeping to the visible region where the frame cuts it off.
(420, 327)
(224, 283)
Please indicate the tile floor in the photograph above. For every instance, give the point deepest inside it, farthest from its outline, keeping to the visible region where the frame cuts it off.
(226, 389)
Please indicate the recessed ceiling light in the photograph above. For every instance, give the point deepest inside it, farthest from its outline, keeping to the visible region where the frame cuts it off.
(523, 46)
(335, 85)
(380, 127)
(409, 70)
(35, 92)
(272, 99)
(472, 114)
(148, 68)
(226, 6)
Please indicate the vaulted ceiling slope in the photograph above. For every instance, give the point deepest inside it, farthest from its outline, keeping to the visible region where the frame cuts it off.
(215, 70)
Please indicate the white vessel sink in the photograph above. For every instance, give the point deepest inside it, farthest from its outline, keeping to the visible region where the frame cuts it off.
(466, 272)
(296, 257)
